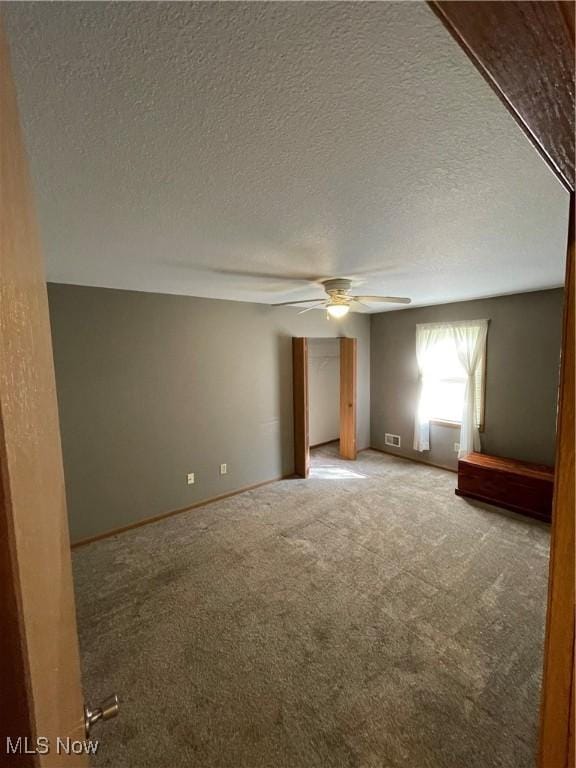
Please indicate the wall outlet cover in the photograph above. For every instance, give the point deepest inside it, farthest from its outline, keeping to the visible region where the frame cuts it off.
(456, 447)
(190, 478)
(223, 469)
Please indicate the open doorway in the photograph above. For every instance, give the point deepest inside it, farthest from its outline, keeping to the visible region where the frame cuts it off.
(233, 558)
(324, 390)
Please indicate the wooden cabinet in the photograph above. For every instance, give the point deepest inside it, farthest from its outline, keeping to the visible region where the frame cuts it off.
(515, 485)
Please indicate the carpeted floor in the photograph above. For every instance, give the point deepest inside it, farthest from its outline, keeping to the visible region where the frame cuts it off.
(366, 617)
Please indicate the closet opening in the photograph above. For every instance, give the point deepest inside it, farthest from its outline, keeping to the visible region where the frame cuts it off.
(324, 390)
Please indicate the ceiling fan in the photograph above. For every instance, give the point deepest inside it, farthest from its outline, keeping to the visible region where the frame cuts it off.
(339, 301)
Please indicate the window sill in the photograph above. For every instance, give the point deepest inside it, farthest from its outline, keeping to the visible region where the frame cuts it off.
(443, 423)
(453, 424)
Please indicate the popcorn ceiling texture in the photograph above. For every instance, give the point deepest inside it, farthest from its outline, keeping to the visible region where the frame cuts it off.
(170, 140)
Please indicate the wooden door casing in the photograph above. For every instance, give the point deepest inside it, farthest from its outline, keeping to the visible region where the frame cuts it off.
(557, 718)
(525, 51)
(301, 405)
(348, 389)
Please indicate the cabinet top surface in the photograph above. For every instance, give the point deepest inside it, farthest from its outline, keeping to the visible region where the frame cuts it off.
(500, 464)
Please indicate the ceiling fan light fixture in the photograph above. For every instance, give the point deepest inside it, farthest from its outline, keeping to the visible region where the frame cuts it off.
(338, 310)
(340, 300)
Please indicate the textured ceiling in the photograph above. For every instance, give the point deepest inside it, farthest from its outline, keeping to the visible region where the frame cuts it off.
(172, 143)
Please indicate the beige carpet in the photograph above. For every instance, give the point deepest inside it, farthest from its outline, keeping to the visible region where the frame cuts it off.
(366, 617)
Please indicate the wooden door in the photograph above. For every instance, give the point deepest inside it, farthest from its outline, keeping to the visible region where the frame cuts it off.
(300, 397)
(526, 53)
(40, 690)
(348, 374)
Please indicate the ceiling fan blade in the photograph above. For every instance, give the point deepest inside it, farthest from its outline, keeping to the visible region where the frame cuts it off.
(314, 306)
(384, 299)
(290, 303)
(293, 277)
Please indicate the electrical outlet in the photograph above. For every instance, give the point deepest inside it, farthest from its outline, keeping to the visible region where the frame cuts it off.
(223, 469)
(190, 478)
(456, 447)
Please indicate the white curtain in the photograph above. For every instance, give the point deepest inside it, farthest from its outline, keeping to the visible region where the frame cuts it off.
(470, 340)
(427, 336)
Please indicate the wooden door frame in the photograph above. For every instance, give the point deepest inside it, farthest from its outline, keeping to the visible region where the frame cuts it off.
(300, 406)
(503, 40)
(525, 50)
(348, 406)
(558, 690)
(41, 692)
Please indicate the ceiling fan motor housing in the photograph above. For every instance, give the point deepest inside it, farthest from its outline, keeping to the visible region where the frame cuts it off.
(338, 290)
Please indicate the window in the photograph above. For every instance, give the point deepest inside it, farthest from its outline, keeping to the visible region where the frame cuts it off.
(449, 355)
(444, 384)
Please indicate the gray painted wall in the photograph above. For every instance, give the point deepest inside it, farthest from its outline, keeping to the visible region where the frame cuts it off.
(324, 390)
(523, 355)
(152, 386)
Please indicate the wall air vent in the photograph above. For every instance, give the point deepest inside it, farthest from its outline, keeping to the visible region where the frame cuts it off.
(392, 440)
